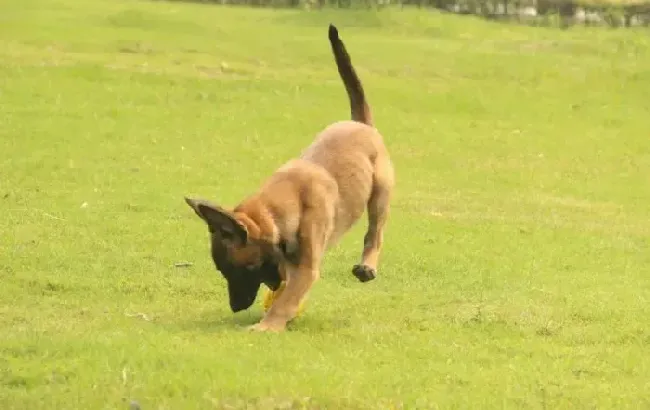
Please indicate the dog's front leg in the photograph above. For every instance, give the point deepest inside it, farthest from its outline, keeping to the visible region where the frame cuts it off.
(299, 281)
(300, 277)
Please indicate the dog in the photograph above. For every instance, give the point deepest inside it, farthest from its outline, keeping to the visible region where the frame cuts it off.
(281, 232)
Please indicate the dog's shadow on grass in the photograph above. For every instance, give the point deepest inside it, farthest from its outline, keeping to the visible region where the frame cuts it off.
(217, 321)
(220, 321)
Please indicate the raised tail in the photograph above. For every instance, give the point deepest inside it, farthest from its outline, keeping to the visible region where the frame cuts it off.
(358, 105)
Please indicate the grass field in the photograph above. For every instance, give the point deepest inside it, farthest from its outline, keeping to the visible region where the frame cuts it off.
(516, 269)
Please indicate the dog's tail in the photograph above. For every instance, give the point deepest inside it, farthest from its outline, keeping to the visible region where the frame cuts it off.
(358, 105)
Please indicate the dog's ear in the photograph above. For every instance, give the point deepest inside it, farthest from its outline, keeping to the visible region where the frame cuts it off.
(218, 219)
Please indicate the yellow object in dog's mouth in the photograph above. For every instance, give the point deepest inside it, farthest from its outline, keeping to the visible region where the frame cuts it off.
(270, 296)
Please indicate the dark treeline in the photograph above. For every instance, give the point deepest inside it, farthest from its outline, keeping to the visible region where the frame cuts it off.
(562, 13)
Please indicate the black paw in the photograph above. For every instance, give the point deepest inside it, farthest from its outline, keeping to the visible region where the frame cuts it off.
(364, 273)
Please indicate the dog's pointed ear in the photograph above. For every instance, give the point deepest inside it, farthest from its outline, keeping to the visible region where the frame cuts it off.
(218, 219)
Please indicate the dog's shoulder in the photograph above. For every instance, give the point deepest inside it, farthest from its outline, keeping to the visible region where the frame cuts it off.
(298, 181)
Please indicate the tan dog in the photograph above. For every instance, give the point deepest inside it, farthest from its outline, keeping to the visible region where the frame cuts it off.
(282, 231)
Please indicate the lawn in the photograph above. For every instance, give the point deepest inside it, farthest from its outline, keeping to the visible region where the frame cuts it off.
(516, 266)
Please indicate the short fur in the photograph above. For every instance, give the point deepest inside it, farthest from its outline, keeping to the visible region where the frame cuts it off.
(282, 231)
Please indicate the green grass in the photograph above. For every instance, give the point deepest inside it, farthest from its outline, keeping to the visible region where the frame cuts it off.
(516, 267)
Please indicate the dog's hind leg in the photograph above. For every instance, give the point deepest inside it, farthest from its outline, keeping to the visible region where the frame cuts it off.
(378, 209)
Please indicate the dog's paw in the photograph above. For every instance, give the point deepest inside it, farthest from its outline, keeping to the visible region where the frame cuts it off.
(266, 327)
(364, 272)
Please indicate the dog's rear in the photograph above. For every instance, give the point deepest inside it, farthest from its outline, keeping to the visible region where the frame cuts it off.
(354, 154)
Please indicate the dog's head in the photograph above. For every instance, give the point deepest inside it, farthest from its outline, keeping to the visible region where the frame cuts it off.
(244, 262)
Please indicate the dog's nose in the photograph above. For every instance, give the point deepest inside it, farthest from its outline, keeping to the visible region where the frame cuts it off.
(242, 294)
(238, 305)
